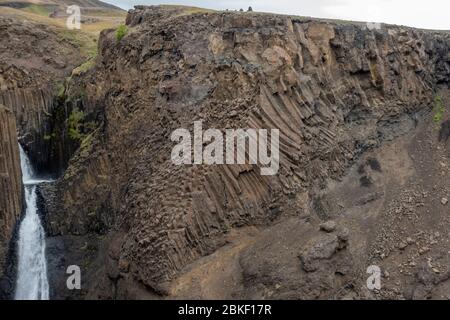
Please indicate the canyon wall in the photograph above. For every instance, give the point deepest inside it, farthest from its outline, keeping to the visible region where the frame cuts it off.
(334, 90)
(35, 59)
(11, 190)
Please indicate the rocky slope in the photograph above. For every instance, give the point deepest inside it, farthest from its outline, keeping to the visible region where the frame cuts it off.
(351, 105)
(10, 195)
(33, 59)
(38, 55)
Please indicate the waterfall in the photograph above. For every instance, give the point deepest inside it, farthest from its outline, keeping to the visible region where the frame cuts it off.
(27, 170)
(32, 282)
(28, 177)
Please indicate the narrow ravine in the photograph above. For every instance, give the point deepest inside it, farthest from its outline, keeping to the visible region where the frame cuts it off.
(32, 282)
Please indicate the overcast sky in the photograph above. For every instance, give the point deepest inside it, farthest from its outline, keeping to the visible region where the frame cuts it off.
(430, 14)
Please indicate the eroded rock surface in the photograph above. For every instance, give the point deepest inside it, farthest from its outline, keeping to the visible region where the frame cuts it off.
(35, 59)
(10, 195)
(335, 91)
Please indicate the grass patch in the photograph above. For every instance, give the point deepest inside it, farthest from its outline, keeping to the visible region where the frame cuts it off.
(121, 31)
(75, 125)
(42, 10)
(438, 110)
(60, 90)
(88, 65)
(85, 43)
(86, 145)
(78, 128)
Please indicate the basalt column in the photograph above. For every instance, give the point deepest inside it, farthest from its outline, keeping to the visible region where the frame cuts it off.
(11, 190)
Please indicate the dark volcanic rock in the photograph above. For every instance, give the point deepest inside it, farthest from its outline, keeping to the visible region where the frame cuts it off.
(333, 90)
(10, 197)
(35, 59)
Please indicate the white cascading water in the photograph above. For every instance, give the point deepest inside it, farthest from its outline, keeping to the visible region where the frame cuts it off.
(32, 282)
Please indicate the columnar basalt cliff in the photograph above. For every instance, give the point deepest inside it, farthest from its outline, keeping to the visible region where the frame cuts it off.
(144, 227)
(38, 55)
(35, 59)
(36, 62)
(11, 195)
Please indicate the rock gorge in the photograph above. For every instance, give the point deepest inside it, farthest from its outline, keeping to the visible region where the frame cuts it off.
(11, 195)
(34, 60)
(354, 107)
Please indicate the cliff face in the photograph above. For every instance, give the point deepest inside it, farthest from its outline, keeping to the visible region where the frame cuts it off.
(38, 55)
(334, 90)
(34, 61)
(11, 186)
